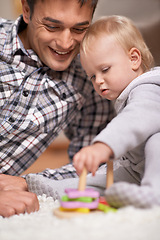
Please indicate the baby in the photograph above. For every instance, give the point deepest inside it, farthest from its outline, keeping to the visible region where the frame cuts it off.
(119, 64)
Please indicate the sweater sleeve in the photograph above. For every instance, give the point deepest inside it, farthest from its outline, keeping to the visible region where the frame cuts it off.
(138, 120)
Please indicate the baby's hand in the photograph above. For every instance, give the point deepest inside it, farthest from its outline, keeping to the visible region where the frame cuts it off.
(91, 157)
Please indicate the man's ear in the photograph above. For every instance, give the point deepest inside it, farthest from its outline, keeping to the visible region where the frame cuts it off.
(26, 11)
(135, 58)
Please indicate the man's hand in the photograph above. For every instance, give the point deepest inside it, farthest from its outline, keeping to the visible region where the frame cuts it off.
(14, 196)
(8, 182)
(16, 202)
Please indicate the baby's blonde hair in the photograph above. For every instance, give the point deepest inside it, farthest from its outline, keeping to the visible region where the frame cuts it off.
(125, 32)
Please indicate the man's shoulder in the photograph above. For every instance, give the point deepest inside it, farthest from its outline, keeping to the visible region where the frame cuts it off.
(3, 20)
(5, 29)
(5, 23)
(8, 26)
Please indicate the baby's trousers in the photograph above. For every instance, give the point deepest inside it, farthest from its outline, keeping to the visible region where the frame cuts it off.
(147, 194)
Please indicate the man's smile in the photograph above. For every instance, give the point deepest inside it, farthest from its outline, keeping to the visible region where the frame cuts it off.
(62, 53)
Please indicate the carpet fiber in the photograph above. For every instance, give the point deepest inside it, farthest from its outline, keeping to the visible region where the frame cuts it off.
(126, 224)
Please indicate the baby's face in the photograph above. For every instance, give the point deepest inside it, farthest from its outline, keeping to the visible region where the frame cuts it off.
(108, 66)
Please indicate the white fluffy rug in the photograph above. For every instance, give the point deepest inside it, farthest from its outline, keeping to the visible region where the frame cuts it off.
(126, 224)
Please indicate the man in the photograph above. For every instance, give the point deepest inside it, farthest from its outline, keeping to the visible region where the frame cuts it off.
(43, 91)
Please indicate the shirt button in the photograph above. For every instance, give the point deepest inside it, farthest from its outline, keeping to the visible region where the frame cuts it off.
(64, 96)
(11, 119)
(25, 93)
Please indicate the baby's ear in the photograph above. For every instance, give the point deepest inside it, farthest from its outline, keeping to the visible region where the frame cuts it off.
(135, 58)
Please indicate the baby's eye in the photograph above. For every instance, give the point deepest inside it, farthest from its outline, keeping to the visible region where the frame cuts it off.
(104, 70)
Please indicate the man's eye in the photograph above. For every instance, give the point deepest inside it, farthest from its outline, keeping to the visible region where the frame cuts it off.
(52, 28)
(79, 30)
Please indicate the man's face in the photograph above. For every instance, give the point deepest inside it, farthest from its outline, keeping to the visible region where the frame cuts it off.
(55, 30)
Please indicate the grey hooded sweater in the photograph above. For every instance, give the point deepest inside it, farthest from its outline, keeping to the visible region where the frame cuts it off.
(138, 118)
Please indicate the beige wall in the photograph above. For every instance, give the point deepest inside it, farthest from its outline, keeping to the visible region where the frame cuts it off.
(7, 10)
(137, 10)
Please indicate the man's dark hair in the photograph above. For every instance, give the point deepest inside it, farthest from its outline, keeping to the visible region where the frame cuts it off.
(31, 4)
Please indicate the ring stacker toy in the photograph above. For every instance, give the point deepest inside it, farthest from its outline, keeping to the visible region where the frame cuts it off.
(84, 200)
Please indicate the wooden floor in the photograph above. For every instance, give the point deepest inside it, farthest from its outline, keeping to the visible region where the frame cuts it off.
(54, 157)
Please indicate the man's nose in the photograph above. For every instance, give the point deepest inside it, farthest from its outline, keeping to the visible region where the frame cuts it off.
(65, 39)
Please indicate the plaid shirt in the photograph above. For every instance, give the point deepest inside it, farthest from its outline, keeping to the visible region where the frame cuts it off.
(36, 103)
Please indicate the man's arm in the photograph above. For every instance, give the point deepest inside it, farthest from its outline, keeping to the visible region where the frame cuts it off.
(8, 182)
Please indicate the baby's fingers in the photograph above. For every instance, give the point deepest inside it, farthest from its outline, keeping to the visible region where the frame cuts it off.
(78, 162)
